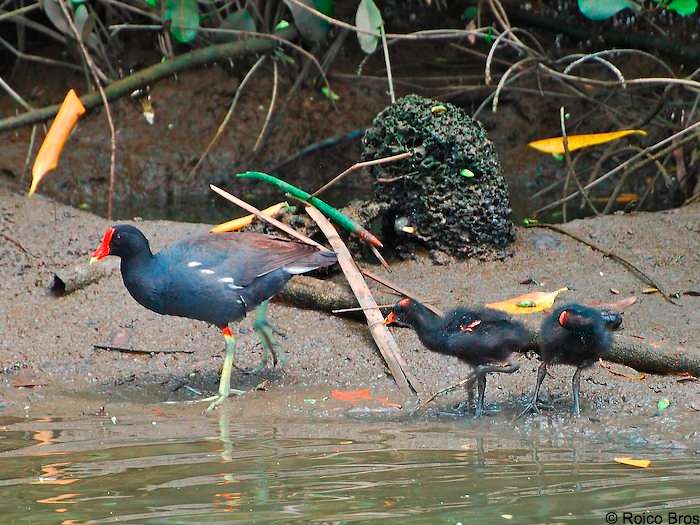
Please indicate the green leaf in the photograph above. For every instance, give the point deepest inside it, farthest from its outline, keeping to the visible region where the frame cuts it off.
(310, 25)
(368, 18)
(682, 7)
(184, 19)
(489, 36)
(84, 22)
(467, 173)
(240, 20)
(663, 404)
(330, 94)
(282, 24)
(152, 3)
(602, 9)
(470, 13)
(55, 15)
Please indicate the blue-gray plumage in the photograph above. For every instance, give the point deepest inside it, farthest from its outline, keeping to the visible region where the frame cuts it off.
(483, 338)
(575, 335)
(216, 278)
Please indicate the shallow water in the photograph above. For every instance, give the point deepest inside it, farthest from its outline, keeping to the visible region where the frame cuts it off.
(166, 468)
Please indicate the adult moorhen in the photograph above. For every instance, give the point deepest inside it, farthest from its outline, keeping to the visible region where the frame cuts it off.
(216, 278)
(573, 335)
(483, 338)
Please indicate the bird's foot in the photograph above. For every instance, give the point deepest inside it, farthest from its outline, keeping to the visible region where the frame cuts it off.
(216, 400)
(265, 332)
(535, 408)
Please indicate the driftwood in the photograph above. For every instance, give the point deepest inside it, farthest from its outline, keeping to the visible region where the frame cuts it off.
(375, 320)
(309, 292)
(79, 275)
(648, 355)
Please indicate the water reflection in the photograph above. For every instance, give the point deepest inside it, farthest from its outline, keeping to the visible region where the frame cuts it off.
(194, 469)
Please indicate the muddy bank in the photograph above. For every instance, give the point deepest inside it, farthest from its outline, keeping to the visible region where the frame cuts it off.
(48, 341)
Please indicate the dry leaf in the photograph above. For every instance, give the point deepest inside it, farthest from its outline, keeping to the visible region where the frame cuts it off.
(632, 462)
(618, 306)
(614, 291)
(351, 395)
(555, 145)
(242, 222)
(52, 147)
(528, 303)
(650, 290)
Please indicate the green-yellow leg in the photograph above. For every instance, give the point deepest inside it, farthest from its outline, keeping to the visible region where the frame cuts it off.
(225, 381)
(265, 331)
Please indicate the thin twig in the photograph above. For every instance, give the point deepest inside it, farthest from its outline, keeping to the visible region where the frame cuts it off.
(18, 244)
(157, 27)
(570, 167)
(270, 220)
(622, 166)
(20, 11)
(418, 35)
(15, 96)
(28, 158)
(392, 95)
(360, 309)
(269, 109)
(359, 165)
(35, 58)
(624, 262)
(139, 351)
(400, 290)
(113, 135)
(470, 379)
(228, 116)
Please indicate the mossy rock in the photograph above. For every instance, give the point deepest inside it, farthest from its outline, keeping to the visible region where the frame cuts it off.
(451, 191)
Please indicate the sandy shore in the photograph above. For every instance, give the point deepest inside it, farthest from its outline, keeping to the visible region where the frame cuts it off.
(48, 341)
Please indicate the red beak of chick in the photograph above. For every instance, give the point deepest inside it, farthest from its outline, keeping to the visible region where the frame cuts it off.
(391, 318)
(102, 250)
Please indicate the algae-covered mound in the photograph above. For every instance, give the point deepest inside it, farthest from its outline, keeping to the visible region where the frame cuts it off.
(450, 195)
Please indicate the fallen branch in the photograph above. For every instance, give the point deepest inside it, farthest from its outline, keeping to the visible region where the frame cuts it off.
(139, 351)
(80, 275)
(624, 262)
(147, 76)
(387, 346)
(653, 356)
(309, 292)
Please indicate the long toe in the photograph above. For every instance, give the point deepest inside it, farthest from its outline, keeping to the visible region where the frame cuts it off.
(216, 400)
(530, 407)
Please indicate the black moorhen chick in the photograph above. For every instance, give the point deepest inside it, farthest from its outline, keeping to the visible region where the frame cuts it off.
(483, 338)
(216, 278)
(574, 335)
